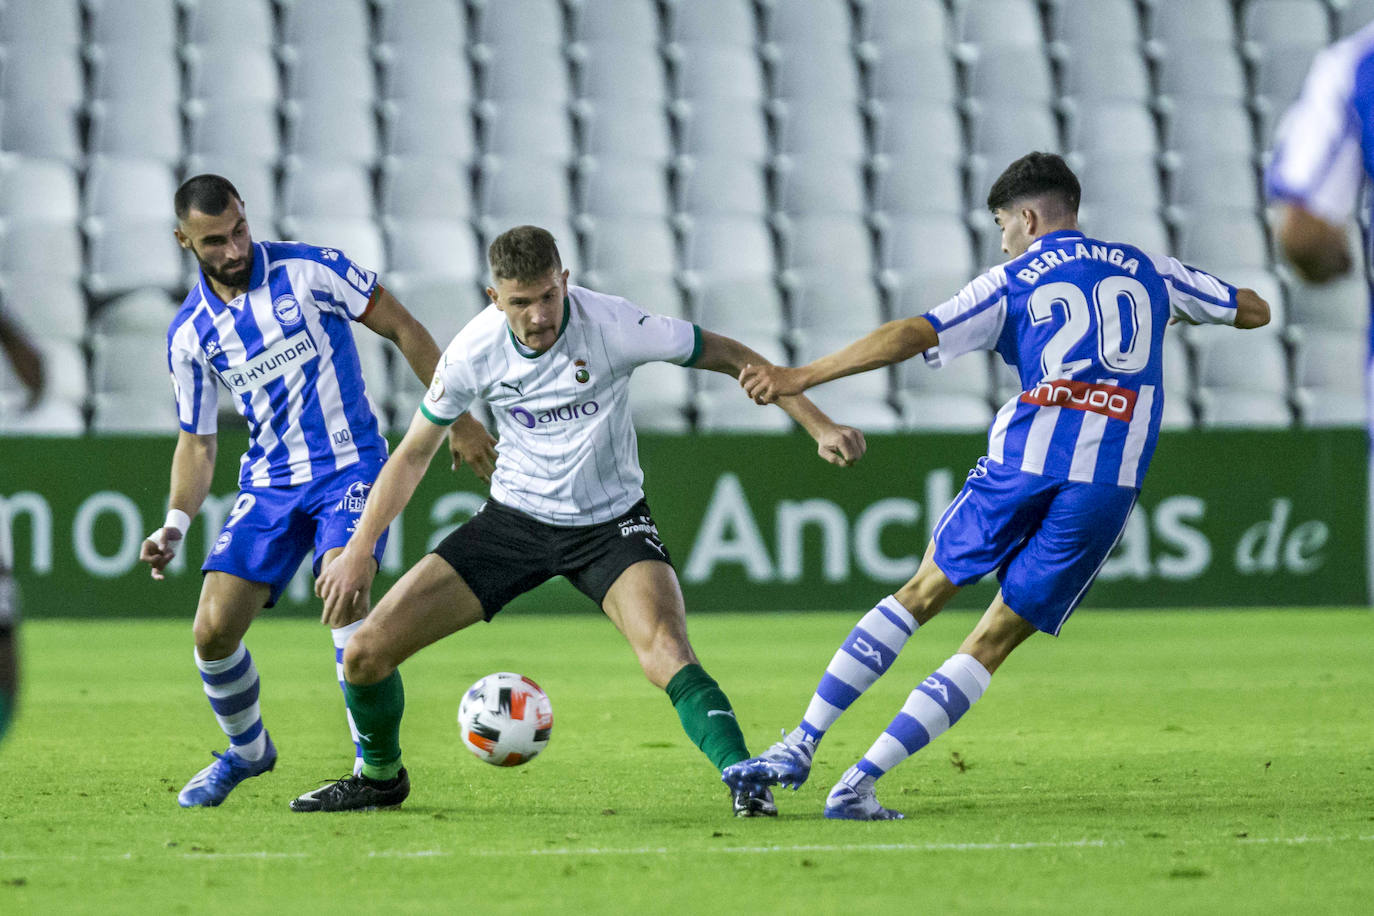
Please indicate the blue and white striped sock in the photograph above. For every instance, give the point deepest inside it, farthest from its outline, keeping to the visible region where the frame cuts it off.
(935, 705)
(341, 636)
(866, 654)
(232, 686)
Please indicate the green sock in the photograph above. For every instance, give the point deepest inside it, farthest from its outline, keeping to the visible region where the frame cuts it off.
(706, 716)
(377, 710)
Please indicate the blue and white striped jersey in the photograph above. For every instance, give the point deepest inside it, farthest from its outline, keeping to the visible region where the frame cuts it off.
(1082, 321)
(285, 351)
(1325, 143)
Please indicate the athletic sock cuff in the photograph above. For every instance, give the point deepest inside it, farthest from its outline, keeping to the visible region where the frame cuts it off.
(220, 665)
(687, 681)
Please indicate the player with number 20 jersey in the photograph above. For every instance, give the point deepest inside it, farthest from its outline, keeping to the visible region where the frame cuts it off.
(1082, 320)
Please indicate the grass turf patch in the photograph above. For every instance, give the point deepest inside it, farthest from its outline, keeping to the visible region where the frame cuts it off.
(1146, 762)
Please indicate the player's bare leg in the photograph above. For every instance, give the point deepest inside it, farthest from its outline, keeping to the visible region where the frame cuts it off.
(933, 707)
(865, 655)
(226, 609)
(645, 603)
(428, 603)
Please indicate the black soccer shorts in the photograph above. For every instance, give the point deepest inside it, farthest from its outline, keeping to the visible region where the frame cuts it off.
(502, 553)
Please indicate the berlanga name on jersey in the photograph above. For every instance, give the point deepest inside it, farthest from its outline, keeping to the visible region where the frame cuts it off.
(1095, 397)
(271, 364)
(1048, 260)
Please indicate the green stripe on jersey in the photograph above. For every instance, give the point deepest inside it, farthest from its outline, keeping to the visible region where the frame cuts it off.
(696, 346)
(437, 421)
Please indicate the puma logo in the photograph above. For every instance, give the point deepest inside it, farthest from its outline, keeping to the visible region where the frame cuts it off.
(720, 712)
(643, 318)
(514, 386)
(658, 547)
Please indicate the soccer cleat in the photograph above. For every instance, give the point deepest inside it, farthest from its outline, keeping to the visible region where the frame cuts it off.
(782, 764)
(213, 784)
(356, 793)
(753, 801)
(849, 804)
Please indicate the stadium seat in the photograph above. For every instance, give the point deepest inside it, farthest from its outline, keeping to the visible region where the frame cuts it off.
(1353, 15)
(1341, 305)
(1203, 181)
(630, 23)
(523, 24)
(525, 129)
(747, 310)
(327, 190)
(622, 187)
(33, 72)
(1003, 131)
(721, 126)
(822, 302)
(428, 188)
(1010, 72)
(1222, 241)
(517, 185)
(51, 417)
(153, 78)
(427, 76)
(428, 129)
(732, 412)
(709, 70)
(443, 307)
(612, 73)
(1110, 127)
(925, 245)
(1241, 408)
(953, 397)
(325, 26)
(37, 129)
(804, 72)
(719, 247)
(128, 190)
(831, 129)
(64, 373)
(134, 129)
(825, 243)
(407, 27)
(819, 22)
(1120, 179)
(918, 132)
(1077, 24)
(52, 25)
(342, 131)
(626, 245)
(815, 186)
(1277, 23)
(242, 24)
(653, 291)
(246, 74)
(509, 77)
(46, 247)
(875, 385)
(886, 23)
(728, 22)
(54, 307)
(911, 71)
(1179, 23)
(1280, 71)
(868, 414)
(1329, 369)
(121, 257)
(1227, 359)
(1188, 71)
(38, 190)
(143, 311)
(660, 394)
(241, 129)
(998, 22)
(1097, 73)
(329, 80)
(624, 129)
(903, 187)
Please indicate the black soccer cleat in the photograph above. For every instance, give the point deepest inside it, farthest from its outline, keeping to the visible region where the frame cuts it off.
(356, 793)
(754, 801)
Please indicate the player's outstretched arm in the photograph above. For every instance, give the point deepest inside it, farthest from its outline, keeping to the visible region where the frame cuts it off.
(350, 575)
(1317, 249)
(890, 343)
(837, 444)
(193, 466)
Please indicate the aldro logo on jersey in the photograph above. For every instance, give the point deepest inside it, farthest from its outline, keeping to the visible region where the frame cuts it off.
(564, 414)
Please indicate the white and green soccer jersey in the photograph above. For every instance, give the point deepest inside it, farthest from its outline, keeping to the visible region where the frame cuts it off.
(567, 454)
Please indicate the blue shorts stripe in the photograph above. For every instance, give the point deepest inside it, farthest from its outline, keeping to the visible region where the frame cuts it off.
(945, 692)
(233, 674)
(248, 736)
(836, 692)
(227, 706)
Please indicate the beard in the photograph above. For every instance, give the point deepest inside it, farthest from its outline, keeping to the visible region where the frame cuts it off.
(232, 277)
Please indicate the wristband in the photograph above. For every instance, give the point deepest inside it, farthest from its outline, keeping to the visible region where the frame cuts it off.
(178, 520)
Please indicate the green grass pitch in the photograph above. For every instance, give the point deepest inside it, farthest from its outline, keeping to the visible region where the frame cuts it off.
(1208, 762)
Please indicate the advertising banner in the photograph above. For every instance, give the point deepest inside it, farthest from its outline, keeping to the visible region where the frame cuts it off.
(753, 522)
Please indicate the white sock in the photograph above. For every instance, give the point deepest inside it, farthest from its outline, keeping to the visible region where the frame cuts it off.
(935, 705)
(341, 635)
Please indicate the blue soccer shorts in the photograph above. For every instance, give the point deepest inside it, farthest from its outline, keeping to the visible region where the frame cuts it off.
(269, 530)
(1047, 538)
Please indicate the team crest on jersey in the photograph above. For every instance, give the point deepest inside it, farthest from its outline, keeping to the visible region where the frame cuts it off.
(222, 542)
(582, 375)
(436, 388)
(287, 309)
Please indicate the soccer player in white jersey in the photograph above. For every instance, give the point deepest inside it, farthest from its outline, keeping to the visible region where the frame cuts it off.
(554, 362)
(1082, 320)
(1323, 153)
(271, 322)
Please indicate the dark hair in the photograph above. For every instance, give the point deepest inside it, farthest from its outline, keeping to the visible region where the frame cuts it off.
(1035, 174)
(523, 254)
(209, 194)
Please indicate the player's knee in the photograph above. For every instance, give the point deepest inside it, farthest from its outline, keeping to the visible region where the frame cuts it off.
(365, 660)
(213, 642)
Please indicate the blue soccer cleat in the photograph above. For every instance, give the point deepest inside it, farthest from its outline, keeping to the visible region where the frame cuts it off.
(213, 784)
(782, 764)
(847, 803)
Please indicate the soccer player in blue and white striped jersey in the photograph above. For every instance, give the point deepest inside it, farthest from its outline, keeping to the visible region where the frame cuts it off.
(272, 323)
(1082, 320)
(1323, 153)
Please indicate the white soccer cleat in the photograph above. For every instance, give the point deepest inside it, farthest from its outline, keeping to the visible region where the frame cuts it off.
(850, 803)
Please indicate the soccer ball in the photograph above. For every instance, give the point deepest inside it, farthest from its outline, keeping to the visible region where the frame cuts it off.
(505, 719)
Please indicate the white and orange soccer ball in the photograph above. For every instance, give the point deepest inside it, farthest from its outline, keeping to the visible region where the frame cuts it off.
(505, 719)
